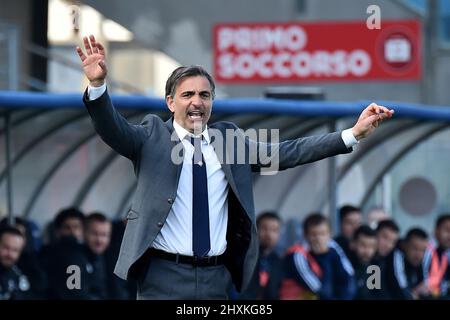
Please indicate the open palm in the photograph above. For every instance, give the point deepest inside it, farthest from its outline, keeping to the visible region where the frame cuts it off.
(94, 66)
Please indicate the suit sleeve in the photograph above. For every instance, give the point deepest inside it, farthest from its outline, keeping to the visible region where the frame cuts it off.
(291, 153)
(114, 129)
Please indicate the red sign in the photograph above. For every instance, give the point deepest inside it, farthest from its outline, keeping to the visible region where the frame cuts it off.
(254, 52)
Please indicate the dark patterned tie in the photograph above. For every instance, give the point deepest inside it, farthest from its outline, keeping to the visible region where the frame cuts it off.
(200, 209)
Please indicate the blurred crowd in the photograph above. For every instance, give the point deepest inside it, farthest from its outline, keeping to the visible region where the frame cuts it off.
(367, 260)
(74, 258)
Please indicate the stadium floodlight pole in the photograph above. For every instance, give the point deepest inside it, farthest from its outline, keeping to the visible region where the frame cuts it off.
(9, 196)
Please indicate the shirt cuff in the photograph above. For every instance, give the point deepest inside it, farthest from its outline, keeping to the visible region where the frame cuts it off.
(349, 138)
(96, 92)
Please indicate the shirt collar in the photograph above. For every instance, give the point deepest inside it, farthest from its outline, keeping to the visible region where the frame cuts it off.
(182, 132)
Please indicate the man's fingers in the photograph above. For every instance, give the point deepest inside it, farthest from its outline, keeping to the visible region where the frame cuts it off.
(81, 54)
(87, 46)
(372, 107)
(101, 49)
(93, 44)
(375, 108)
(372, 119)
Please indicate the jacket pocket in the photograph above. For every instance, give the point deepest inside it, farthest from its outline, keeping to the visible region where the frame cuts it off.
(131, 215)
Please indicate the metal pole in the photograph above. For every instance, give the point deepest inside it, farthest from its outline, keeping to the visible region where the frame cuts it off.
(334, 220)
(9, 196)
(13, 56)
(430, 51)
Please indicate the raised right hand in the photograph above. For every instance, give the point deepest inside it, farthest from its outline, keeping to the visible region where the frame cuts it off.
(94, 66)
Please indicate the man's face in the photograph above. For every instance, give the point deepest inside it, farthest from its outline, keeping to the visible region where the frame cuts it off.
(365, 248)
(318, 238)
(386, 239)
(443, 234)
(11, 246)
(415, 250)
(192, 103)
(71, 227)
(350, 223)
(269, 233)
(97, 236)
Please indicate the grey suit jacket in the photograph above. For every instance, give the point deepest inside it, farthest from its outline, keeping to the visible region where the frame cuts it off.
(149, 146)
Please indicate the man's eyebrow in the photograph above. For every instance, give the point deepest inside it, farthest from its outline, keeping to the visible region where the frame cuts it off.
(193, 92)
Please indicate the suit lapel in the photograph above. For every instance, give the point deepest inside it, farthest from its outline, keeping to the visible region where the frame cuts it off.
(174, 143)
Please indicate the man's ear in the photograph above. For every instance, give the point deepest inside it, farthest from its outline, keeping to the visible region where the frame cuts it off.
(170, 103)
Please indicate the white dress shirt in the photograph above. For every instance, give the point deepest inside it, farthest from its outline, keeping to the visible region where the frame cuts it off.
(176, 234)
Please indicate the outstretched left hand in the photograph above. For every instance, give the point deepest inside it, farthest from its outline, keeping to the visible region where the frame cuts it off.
(369, 119)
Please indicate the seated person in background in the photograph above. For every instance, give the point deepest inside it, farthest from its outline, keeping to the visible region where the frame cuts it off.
(387, 237)
(321, 271)
(28, 262)
(266, 280)
(437, 258)
(14, 285)
(65, 250)
(97, 236)
(404, 267)
(362, 252)
(350, 218)
(375, 215)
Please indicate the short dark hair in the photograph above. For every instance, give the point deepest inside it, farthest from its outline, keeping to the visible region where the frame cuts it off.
(346, 210)
(267, 215)
(67, 213)
(416, 233)
(187, 71)
(442, 219)
(364, 230)
(388, 224)
(10, 230)
(95, 217)
(17, 220)
(312, 220)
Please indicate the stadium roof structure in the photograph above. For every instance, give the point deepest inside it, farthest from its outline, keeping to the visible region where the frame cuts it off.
(50, 146)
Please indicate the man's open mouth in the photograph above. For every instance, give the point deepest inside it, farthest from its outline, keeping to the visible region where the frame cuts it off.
(195, 115)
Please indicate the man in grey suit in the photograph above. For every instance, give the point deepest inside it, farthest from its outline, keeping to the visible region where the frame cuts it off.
(191, 226)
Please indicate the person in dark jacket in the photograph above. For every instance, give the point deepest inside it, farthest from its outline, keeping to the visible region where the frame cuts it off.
(404, 267)
(97, 236)
(266, 280)
(350, 220)
(362, 252)
(388, 234)
(28, 261)
(14, 285)
(63, 253)
(320, 272)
